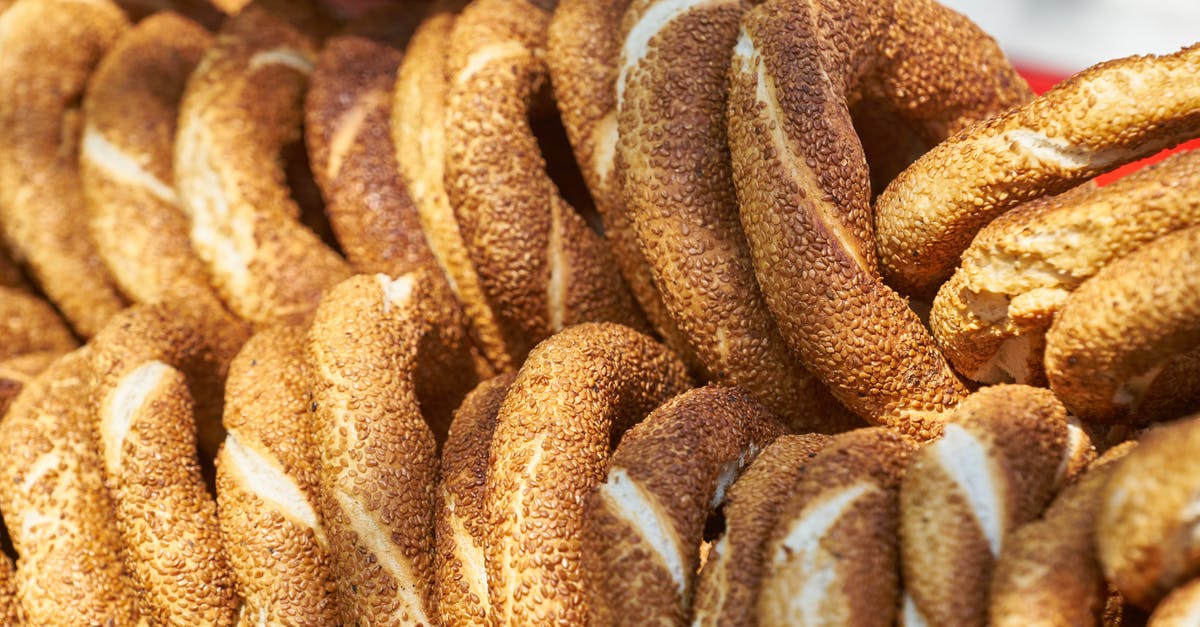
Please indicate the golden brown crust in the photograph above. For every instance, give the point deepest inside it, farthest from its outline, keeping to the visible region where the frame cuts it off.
(644, 525)
(266, 265)
(728, 587)
(58, 513)
(375, 347)
(1145, 532)
(576, 391)
(419, 136)
(997, 465)
(804, 187)
(348, 134)
(462, 595)
(1105, 116)
(991, 317)
(29, 324)
(17, 372)
(49, 48)
(1180, 608)
(10, 608)
(267, 486)
(540, 265)
(674, 169)
(1114, 336)
(125, 160)
(832, 558)
(583, 49)
(1048, 574)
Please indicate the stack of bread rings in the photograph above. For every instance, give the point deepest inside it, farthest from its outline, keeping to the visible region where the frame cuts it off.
(589, 312)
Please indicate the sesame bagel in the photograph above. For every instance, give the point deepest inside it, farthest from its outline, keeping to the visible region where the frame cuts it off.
(804, 187)
(998, 463)
(1048, 574)
(574, 395)
(583, 51)
(142, 365)
(991, 317)
(832, 557)
(540, 265)
(347, 131)
(29, 324)
(1113, 341)
(130, 112)
(673, 163)
(644, 525)
(267, 486)
(48, 48)
(462, 587)
(1146, 531)
(388, 362)
(418, 132)
(267, 267)
(1103, 117)
(17, 372)
(56, 508)
(1180, 608)
(728, 586)
(10, 607)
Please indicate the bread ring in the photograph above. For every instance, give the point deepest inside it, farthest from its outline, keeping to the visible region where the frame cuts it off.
(347, 130)
(267, 486)
(673, 145)
(1048, 574)
(130, 111)
(990, 318)
(47, 50)
(603, 377)
(1113, 336)
(728, 586)
(462, 587)
(419, 135)
(643, 527)
(10, 273)
(267, 267)
(540, 265)
(56, 508)
(831, 559)
(1103, 117)
(10, 608)
(1180, 608)
(17, 372)
(374, 347)
(998, 463)
(28, 324)
(1146, 527)
(583, 50)
(804, 188)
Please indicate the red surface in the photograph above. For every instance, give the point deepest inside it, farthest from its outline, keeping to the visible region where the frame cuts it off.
(1041, 80)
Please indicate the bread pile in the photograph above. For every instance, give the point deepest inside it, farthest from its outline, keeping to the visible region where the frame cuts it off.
(807, 314)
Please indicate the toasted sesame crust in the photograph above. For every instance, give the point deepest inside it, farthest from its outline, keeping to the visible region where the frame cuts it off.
(47, 51)
(267, 486)
(540, 265)
(17, 372)
(643, 527)
(804, 187)
(29, 324)
(1107, 115)
(267, 267)
(575, 394)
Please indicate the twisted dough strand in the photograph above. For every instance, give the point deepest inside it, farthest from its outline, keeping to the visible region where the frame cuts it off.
(48, 49)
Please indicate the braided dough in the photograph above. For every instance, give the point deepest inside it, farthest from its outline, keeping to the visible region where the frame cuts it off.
(418, 113)
(267, 267)
(48, 49)
(728, 586)
(575, 393)
(644, 525)
(56, 508)
(1103, 117)
(462, 587)
(267, 486)
(540, 265)
(991, 317)
(804, 187)
(389, 362)
(1001, 459)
